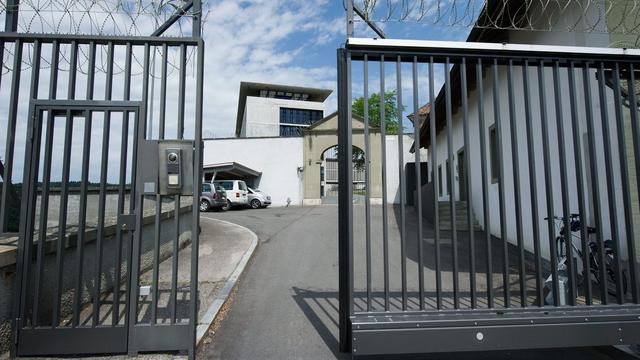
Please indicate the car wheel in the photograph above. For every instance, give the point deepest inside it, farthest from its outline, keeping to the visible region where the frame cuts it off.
(255, 204)
(227, 206)
(204, 206)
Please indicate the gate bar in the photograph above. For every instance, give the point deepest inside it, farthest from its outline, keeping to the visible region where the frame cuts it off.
(435, 181)
(62, 221)
(403, 200)
(84, 185)
(367, 203)
(106, 130)
(418, 169)
(633, 108)
(124, 145)
(450, 184)
(345, 218)
(566, 210)
(577, 151)
(44, 198)
(467, 184)
(385, 224)
(626, 195)
(197, 182)
(533, 183)
(611, 194)
(11, 133)
(485, 186)
(501, 191)
(548, 180)
(595, 178)
(515, 161)
(53, 84)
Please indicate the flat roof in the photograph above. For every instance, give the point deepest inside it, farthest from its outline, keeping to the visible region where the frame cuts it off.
(232, 168)
(254, 89)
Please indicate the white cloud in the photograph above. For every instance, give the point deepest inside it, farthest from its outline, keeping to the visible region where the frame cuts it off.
(251, 41)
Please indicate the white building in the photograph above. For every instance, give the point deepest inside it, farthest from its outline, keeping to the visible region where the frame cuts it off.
(272, 143)
(440, 168)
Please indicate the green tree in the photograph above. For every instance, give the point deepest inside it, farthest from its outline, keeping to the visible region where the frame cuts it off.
(390, 110)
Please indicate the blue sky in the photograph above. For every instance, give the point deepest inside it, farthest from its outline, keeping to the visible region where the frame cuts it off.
(287, 42)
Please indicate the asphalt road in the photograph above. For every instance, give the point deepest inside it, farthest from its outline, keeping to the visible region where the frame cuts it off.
(286, 306)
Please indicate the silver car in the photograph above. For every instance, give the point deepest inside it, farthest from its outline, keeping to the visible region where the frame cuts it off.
(258, 199)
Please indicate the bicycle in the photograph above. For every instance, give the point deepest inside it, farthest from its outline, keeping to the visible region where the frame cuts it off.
(594, 261)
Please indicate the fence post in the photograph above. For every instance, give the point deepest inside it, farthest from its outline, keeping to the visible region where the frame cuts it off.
(345, 215)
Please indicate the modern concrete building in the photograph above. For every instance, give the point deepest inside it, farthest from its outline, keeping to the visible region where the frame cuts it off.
(286, 146)
(269, 110)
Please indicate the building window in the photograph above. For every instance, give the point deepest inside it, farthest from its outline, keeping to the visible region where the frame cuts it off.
(290, 116)
(440, 180)
(291, 131)
(294, 121)
(493, 153)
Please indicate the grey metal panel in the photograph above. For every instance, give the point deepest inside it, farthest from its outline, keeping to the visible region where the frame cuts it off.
(69, 341)
(485, 338)
(160, 337)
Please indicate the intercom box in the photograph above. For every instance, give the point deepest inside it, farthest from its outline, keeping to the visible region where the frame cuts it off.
(165, 167)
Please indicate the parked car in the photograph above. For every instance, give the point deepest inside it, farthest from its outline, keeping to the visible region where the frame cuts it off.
(213, 197)
(258, 199)
(237, 194)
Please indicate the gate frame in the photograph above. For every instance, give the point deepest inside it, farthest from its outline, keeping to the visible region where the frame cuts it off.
(396, 332)
(156, 342)
(34, 335)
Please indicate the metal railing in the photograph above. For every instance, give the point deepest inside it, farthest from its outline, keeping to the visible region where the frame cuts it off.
(564, 123)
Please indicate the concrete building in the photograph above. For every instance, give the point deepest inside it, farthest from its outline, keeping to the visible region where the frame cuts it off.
(285, 146)
(440, 168)
(269, 110)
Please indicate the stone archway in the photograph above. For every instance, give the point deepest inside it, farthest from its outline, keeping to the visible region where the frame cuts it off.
(323, 135)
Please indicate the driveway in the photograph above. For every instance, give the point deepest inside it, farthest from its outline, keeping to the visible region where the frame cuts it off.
(286, 306)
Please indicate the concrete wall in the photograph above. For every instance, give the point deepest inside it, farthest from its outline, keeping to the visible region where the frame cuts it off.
(392, 161)
(262, 115)
(277, 158)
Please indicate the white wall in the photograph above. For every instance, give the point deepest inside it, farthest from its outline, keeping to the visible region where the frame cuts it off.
(391, 161)
(277, 158)
(262, 115)
(473, 152)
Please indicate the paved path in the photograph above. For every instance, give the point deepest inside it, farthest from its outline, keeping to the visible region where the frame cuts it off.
(286, 304)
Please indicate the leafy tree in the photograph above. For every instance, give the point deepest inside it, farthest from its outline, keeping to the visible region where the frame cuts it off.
(390, 110)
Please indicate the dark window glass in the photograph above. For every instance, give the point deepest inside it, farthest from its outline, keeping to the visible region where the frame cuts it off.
(493, 153)
(242, 185)
(299, 116)
(206, 188)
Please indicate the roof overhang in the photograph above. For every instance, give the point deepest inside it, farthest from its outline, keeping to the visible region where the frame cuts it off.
(253, 89)
(231, 168)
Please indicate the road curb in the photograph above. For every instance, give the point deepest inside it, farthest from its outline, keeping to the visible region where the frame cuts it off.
(210, 315)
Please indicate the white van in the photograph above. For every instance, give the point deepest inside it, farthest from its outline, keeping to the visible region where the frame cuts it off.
(237, 194)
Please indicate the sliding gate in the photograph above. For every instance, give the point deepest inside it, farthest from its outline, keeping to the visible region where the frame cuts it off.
(547, 137)
(108, 221)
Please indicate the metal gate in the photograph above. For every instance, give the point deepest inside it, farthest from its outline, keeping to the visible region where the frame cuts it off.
(108, 252)
(551, 140)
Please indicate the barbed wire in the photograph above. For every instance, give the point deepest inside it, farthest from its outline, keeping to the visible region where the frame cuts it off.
(98, 17)
(584, 16)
